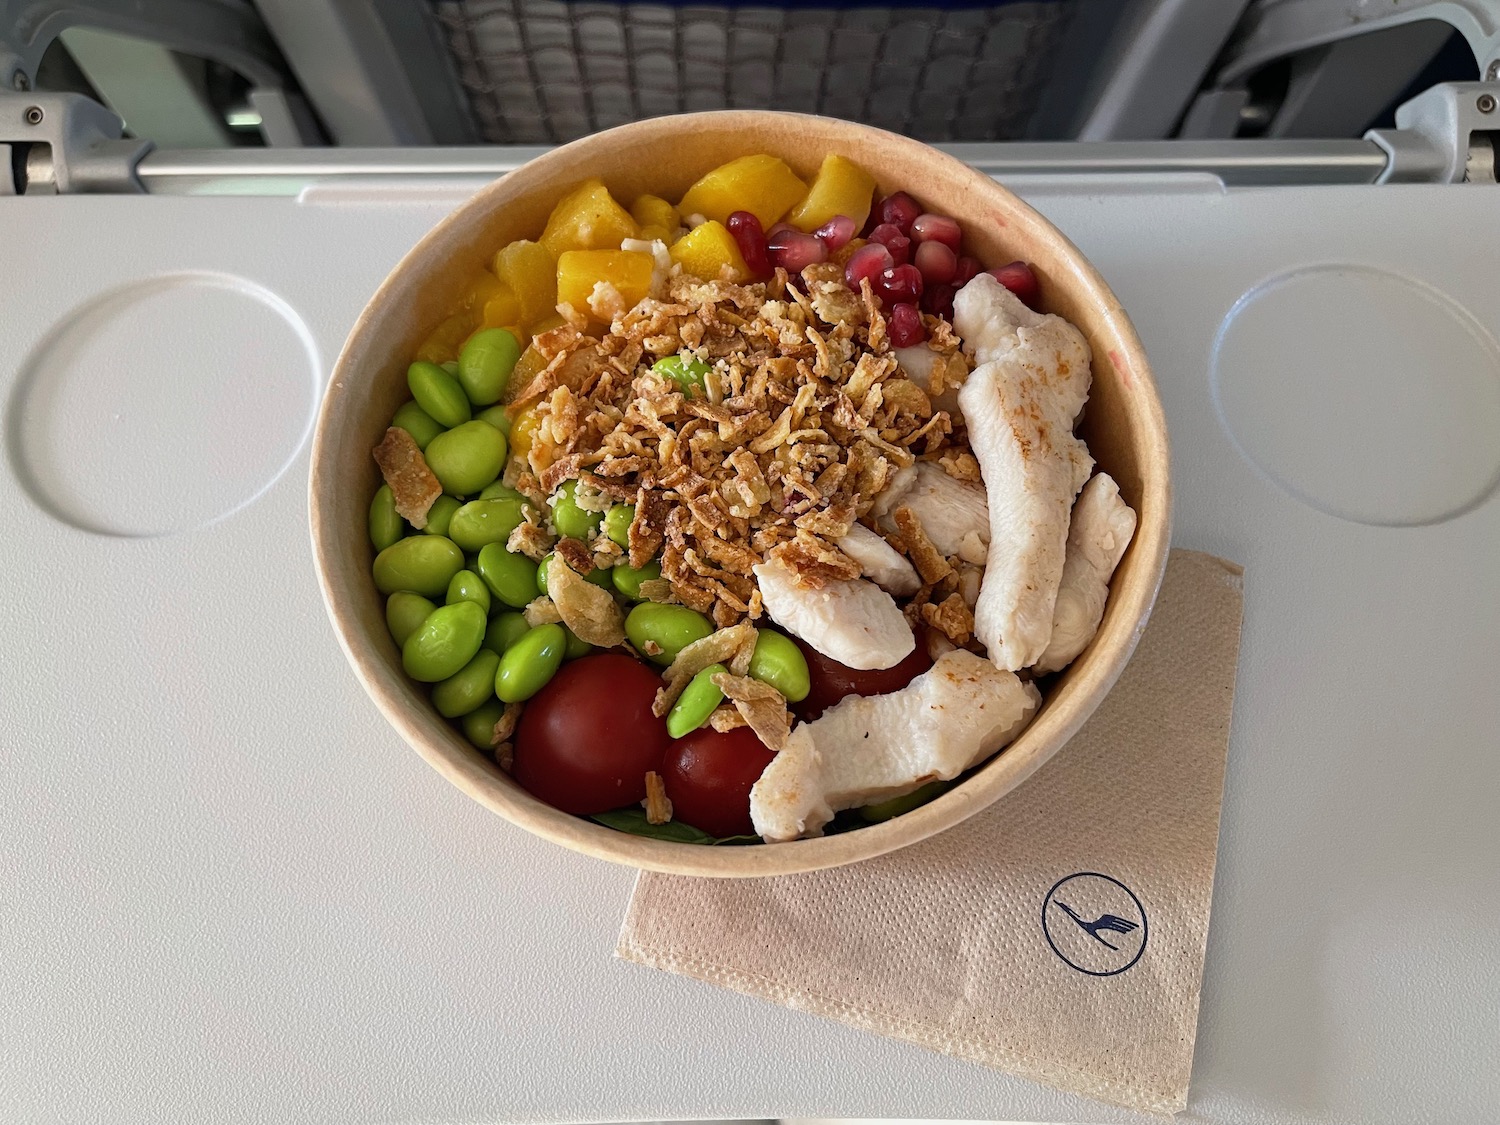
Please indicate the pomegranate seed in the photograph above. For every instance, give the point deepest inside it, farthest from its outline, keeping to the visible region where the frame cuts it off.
(938, 300)
(1020, 280)
(867, 264)
(752, 242)
(900, 285)
(836, 231)
(937, 228)
(968, 269)
(893, 240)
(899, 210)
(778, 228)
(905, 326)
(794, 251)
(936, 261)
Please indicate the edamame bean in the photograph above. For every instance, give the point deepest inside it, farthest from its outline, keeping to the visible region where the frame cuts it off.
(505, 629)
(499, 491)
(423, 564)
(528, 664)
(450, 366)
(404, 612)
(598, 577)
(571, 520)
(667, 628)
(497, 416)
(467, 457)
(684, 370)
(485, 364)
(422, 426)
(466, 586)
(617, 523)
(628, 579)
(440, 515)
(444, 643)
(779, 662)
(386, 525)
(470, 686)
(479, 724)
(485, 521)
(576, 645)
(438, 393)
(884, 810)
(696, 703)
(510, 577)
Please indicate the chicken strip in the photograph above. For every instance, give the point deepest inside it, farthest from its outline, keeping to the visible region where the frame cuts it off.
(1101, 530)
(955, 514)
(852, 621)
(881, 563)
(871, 748)
(1020, 404)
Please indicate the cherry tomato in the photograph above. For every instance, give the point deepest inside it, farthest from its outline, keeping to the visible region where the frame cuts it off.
(587, 740)
(708, 776)
(831, 681)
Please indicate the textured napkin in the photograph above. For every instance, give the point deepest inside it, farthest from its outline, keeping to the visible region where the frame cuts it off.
(1059, 934)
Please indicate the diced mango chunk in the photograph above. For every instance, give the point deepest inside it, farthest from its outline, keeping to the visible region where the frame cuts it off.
(446, 339)
(653, 233)
(842, 187)
(587, 218)
(654, 211)
(483, 286)
(502, 310)
(528, 367)
(531, 272)
(547, 324)
(710, 252)
(762, 185)
(523, 430)
(601, 284)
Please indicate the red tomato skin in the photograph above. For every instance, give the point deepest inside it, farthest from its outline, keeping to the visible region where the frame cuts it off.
(832, 681)
(587, 740)
(708, 775)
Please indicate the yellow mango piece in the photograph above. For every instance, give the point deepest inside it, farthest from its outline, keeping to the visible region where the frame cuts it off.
(762, 185)
(654, 211)
(502, 310)
(481, 288)
(587, 218)
(531, 272)
(653, 233)
(446, 339)
(710, 252)
(547, 324)
(842, 187)
(628, 272)
(523, 428)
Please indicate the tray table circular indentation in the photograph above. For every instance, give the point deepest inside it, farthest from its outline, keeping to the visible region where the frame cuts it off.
(163, 405)
(1364, 394)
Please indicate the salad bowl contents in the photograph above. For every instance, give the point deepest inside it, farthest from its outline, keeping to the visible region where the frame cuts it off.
(745, 504)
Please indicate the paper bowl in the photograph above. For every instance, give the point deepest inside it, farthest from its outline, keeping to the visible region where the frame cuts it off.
(1123, 425)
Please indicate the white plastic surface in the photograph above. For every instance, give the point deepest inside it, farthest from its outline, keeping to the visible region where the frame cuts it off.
(229, 893)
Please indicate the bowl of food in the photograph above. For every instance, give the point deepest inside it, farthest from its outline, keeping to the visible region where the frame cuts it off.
(716, 494)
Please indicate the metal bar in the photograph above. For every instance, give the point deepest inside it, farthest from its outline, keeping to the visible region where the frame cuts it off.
(1236, 163)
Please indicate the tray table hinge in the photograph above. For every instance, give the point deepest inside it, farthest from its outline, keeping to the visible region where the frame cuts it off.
(65, 143)
(1448, 134)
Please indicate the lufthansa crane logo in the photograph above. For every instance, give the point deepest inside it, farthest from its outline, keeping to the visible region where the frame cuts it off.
(1094, 923)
